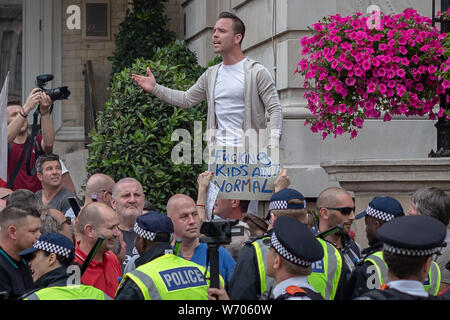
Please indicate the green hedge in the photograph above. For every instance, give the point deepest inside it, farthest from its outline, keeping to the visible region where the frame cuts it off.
(134, 131)
(143, 31)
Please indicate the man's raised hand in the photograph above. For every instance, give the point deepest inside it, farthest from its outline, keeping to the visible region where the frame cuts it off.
(146, 83)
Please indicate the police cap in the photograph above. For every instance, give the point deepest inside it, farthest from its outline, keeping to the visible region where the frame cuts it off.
(383, 208)
(293, 240)
(413, 236)
(154, 226)
(280, 200)
(51, 242)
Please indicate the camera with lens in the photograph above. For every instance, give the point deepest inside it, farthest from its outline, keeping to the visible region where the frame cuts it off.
(220, 232)
(60, 93)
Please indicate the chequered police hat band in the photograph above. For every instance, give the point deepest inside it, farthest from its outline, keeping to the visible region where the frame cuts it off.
(410, 252)
(281, 205)
(52, 248)
(379, 214)
(282, 251)
(146, 234)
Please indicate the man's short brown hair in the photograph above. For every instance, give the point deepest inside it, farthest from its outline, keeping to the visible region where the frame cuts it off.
(15, 212)
(238, 25)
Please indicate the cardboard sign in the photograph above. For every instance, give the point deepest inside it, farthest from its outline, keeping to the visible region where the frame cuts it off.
(244, 175)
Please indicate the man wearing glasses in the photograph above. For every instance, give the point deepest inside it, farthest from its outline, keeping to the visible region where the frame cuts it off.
(335, 207)
(53, 220)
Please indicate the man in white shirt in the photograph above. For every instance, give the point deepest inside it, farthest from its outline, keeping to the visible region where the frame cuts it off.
(239, 90)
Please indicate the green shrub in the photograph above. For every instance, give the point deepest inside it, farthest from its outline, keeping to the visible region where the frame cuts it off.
(143, 31)
(134, 130)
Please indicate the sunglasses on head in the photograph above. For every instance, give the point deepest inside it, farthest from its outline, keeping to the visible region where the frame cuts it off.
(344, 210)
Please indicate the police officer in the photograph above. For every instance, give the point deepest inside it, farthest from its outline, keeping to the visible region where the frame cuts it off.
(379, 211)
(250, 279)
(409, 243)
(293, 249)
(372, 272)
(50, 259)
(159, 274)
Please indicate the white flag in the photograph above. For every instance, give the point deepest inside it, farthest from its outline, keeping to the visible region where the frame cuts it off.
(4, 134)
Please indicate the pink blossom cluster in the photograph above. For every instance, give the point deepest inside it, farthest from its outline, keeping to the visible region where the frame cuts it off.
(355, 72)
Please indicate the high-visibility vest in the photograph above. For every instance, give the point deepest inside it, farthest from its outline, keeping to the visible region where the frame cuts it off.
(431, 284)
(327, 272)
(169, 277)
(262, 249)
(72, 292)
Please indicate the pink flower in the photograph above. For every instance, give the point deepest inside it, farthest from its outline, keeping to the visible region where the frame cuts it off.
(445, 83)
(353, 134)
(382, 88)
(432, 69)
(303, 64)
(358, 122)
(318, 27)
(339, 131)
(342, 108)
(336, 39)
(348, 65)
(401, 90)
(391, 84)
(333, 80)
(387, 117)
(390, 73)
(401, 73)
(405, 62)
(402, 50)
(350, 81)
(381, 72)
(419, 86)
(371, 87)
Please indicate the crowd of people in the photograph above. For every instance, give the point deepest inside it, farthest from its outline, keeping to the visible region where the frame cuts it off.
(115, 245)
(292, 254)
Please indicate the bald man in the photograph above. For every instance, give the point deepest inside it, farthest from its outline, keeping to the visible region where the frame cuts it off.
(128, 201)
(182, 210)
(99, 188)
(103, 272)
(335, 207)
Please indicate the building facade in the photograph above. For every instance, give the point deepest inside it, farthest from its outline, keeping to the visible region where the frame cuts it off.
(274, 28)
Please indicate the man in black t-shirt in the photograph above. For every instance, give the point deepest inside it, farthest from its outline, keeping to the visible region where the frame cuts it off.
(20, 227)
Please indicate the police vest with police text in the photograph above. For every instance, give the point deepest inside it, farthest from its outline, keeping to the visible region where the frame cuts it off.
(431, 284)
(72, 292)
(262, 249)
(326, 272)
(169, 277)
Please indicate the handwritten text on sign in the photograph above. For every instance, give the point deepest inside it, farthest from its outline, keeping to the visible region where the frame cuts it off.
(244, 175)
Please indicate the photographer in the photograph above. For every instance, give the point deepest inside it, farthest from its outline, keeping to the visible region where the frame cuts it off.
(22, 152)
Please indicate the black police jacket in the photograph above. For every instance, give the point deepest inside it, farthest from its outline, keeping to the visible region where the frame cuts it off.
(357, 284)
(15, 277)
(245, 283)
(392, 294)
